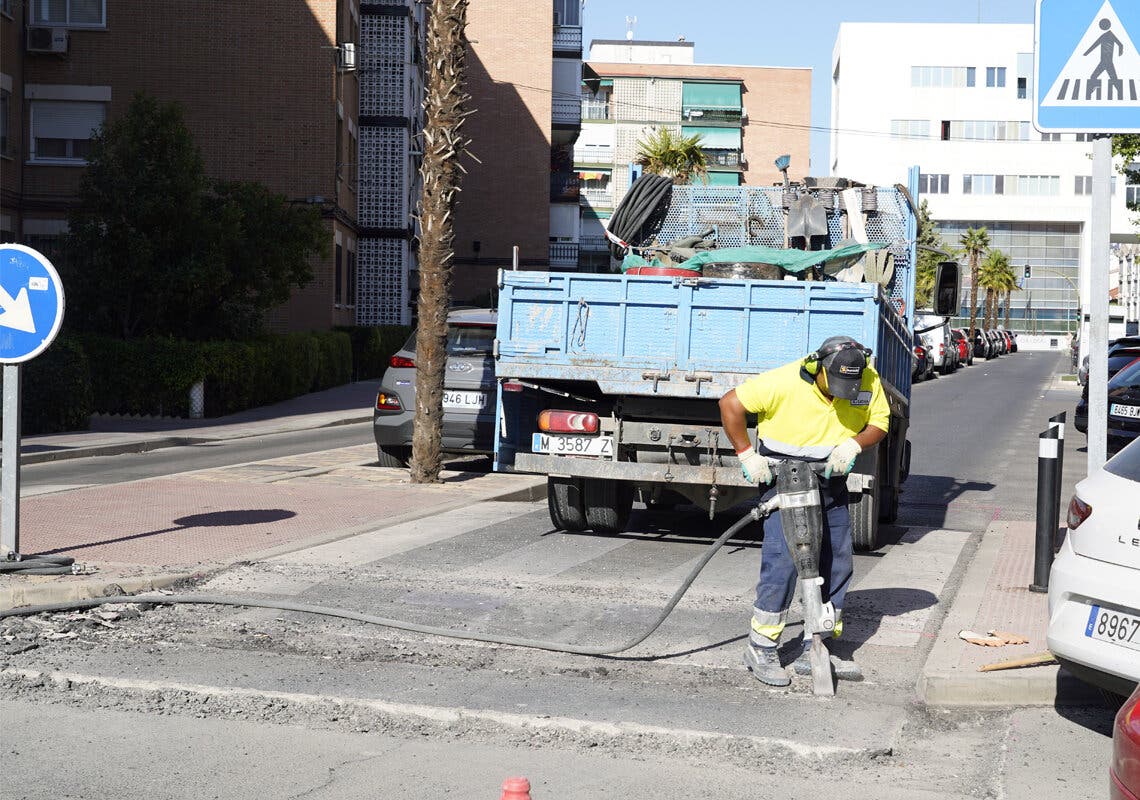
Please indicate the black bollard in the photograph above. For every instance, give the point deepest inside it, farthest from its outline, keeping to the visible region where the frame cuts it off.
(1058, 421)
(1047, 511)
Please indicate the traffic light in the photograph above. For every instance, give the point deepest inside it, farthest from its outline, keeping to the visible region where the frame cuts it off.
(1026, 272)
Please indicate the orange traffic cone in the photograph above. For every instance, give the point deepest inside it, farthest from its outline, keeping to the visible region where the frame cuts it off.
(516, 789)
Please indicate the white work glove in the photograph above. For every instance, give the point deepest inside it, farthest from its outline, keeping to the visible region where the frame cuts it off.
(842, 458)
(754, 466)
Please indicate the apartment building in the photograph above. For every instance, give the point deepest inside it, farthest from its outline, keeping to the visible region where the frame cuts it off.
(746, 116)
(268, 96)
(956, 99)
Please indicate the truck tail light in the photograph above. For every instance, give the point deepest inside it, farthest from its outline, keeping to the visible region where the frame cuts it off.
(401, 362)
(941, 349)
(511, 386)
(568, 421)
(388, 402)
(1079, 511)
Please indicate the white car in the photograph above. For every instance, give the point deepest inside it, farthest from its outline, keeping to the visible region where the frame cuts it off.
(1094, 587)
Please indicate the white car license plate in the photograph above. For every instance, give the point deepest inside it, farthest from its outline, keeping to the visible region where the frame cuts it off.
(1120, 410)
(1114, 626)
(572, 445)
(469, 400)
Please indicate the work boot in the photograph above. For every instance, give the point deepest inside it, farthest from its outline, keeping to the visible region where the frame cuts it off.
(765, 665)
(844, 670)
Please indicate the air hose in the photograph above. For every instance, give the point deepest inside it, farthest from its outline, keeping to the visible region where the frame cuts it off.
(39, 565)
(644, 205)
(285, 605)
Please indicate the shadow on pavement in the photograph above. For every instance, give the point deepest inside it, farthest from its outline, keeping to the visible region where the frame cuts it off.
(932, 495)
(212, 519)
(864, 610)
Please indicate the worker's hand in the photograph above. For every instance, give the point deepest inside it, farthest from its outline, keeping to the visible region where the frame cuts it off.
(754, 466)
(842, 458)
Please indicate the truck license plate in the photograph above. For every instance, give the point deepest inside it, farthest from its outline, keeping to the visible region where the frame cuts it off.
(572, 445)
(1121, 410)
(1114, 626)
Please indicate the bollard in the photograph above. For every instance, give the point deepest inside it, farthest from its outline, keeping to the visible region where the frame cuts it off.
(515, 789)
(1047, 511)
(1058, 421)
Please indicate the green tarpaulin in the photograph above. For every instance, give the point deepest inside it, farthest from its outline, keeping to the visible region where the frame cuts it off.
(790, 260)
(710, 97)
(714, 138)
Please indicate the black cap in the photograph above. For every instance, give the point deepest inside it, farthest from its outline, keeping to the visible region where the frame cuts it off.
(844, 367)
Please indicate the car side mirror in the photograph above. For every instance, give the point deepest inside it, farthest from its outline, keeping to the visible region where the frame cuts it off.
(947, 287)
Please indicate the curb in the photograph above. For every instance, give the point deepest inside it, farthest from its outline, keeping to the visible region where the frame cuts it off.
(942, 685)
(160, 442)
(58, 592)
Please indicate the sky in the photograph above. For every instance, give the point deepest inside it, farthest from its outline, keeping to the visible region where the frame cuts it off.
(791, 33)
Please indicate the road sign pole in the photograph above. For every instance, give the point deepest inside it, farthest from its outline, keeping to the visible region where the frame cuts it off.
(1098, 303)
(10, 470)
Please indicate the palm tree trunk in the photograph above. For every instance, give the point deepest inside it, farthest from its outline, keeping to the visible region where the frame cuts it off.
(444, 102)
(988, 319)
(1008, 293)
(973, 294)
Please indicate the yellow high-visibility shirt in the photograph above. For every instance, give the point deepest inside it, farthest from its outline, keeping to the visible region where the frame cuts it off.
(796, 420)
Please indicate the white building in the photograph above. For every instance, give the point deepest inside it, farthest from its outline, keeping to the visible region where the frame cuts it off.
(956, 99)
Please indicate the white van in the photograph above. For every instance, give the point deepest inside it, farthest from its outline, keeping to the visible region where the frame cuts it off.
(945, 351)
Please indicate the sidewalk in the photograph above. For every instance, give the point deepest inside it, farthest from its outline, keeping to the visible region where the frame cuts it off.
(152, 533)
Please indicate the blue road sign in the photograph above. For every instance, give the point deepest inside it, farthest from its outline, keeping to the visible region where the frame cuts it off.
(1086, 66)
(31, 303)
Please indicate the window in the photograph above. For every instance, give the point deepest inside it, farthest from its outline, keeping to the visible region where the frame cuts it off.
(350, 279)
(910, 128)
(338, 288)
(1132, 195)
(62, 130)
(1050, 137)
(995, 77)
(941, 77)
(73, 13)
(1083, 185)
(567, 12)
(6, 7)
(5, 117)
(989, 130)
(933, 183)
(1022, 88)
(1085, 137)
(983, 184)
(1039, 185)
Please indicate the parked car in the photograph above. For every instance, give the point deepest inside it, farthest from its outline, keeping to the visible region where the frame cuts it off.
(923, 362)
(943, 349)
(1122, 392)
(981, 344)
(1013, 341)
(468, 396)
(1124, 769)
(1094, 586)
(965, 350)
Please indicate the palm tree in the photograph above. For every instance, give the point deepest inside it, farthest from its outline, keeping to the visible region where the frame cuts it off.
(975, 241)
(673, 155)
(992, 276)
(444, 101)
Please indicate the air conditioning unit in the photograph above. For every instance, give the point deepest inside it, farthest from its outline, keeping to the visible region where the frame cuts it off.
(346, 57)
(47, 40)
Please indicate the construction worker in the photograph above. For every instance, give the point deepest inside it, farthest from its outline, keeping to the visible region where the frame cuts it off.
(827, 407)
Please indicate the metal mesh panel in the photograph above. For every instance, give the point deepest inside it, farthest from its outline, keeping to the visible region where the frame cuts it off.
(380, 282)
(754, 215)
(383, 65)
(383, 163)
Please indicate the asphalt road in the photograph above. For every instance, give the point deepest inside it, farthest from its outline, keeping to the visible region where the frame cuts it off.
(193, 701)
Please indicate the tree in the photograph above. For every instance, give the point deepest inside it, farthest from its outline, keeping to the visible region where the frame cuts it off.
(1126, 147)
(974, 241)
(673, 155)
(994, 275)
(154, 251)
(444, 101)
(928, 242)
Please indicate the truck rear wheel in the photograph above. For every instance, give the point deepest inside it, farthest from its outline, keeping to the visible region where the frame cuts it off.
(608, 504)
(565, 502)
(864, 520)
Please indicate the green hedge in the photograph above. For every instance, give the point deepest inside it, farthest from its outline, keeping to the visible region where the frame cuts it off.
(55, 390)
(152, 377)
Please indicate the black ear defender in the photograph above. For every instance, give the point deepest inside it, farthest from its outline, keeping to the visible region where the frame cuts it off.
(819, 355)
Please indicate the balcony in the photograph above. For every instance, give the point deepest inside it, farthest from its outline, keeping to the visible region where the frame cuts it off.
(597, 198)
(564, 187)
(593, 154)
(593, 244)
(595, 109)
(564, 254)
(568, 39)
(722, 158)
(566, 111)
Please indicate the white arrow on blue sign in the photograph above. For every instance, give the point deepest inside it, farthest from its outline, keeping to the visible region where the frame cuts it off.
(31, 303)
(1086, 66)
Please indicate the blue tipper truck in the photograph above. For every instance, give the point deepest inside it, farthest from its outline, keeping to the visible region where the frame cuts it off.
(608, 383)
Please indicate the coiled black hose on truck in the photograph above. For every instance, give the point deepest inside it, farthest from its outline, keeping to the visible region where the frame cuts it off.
(642, 209)
(285, 605)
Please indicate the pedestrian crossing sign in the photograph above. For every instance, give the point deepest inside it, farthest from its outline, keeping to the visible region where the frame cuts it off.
(1086, 66)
